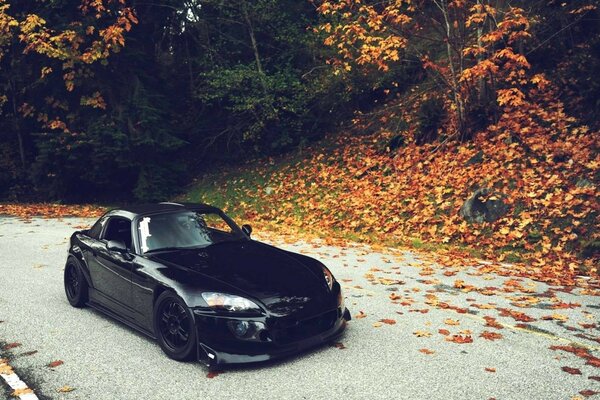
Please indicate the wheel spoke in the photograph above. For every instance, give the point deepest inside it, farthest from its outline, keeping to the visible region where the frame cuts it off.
(182, 334)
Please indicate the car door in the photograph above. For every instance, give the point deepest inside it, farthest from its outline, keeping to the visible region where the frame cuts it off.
(111, 270)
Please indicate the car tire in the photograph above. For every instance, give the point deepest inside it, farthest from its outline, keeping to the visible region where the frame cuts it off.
(174, 327)
(76, 287)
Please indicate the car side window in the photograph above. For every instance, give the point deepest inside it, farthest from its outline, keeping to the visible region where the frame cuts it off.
(96, 230)
(215, 222)
(118, 228)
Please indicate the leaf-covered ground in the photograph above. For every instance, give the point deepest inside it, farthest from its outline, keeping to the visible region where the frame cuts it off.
(354, 187)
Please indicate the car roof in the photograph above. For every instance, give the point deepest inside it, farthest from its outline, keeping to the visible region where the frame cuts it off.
(135, 210)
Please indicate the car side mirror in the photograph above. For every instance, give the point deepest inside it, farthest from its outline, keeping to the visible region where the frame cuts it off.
(247, 229)
(116, 245)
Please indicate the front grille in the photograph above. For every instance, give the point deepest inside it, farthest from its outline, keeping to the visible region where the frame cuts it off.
(305, 328)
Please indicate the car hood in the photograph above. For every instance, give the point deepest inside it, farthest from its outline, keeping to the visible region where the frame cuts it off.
(281, 282)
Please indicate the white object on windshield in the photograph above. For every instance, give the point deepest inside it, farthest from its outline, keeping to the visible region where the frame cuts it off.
(144, 228)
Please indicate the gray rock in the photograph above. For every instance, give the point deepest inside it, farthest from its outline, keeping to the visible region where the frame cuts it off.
(582, 182)
(477, 209)
(396, 142)
(476, 159)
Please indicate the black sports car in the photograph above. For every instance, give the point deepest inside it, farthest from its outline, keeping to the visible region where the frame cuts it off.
(188, 276)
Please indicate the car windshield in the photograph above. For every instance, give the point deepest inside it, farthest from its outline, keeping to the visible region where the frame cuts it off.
(185, 229)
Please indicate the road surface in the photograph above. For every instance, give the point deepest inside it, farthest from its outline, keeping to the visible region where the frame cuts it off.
(403, 357)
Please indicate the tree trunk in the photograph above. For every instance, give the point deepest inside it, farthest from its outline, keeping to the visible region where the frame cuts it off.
(254, 45)
(16, 125)
(456, 95)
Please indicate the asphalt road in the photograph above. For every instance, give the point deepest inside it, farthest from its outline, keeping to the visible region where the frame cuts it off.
(107, 360)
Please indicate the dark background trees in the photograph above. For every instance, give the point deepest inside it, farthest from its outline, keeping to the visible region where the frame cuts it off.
(131, 99)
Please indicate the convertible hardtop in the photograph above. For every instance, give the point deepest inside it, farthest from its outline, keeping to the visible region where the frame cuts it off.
(137, 210)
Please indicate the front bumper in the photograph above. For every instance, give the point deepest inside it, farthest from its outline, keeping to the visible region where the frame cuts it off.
(218, 344)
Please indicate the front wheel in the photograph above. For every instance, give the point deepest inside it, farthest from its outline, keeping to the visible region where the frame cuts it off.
(76, 287)
(174, 327)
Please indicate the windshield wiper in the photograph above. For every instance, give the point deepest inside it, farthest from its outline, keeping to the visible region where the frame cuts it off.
(173, 248)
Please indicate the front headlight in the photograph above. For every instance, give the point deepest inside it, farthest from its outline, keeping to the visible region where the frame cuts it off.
(328, 277)
(229, 302)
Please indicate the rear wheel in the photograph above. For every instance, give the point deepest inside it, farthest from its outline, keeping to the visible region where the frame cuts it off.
(76, 287)
(174, 327)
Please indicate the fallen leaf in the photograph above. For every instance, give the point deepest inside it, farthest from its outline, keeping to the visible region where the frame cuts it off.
(394, 296)
(460, 339)
(572, 371)
(360, 315)
(488, 369)
(492, 323)
(11, 345)
(5, 369)
(556, 317)
(594, 378)
(516, 315)
(427, 351)
(459, 284)
(339, 345)
(212, 374)
(377, 325)
(388, 321)
(422, 333)
(450, 321)
(56, 363)
(444, 332)
(65, 389)
(588, 393)
(21, 392)
(593, 361)
(490, 335)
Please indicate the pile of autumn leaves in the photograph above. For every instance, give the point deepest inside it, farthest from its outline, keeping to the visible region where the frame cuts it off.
(364, 191)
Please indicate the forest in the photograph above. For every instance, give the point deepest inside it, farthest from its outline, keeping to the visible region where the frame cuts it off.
(471, 121)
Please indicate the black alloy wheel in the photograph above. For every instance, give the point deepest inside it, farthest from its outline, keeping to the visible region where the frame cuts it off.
(76, 287)
(174, 326)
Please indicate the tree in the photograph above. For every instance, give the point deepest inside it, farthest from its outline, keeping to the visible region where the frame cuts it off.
(475, 51)
(46, 51)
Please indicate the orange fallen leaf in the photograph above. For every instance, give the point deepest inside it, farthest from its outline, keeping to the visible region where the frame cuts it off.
(444, 332)
(55, 363)
(492, 323)
(360, 315)
(459, 339)
(394, 296)
(21, 392)
(459, 284)
(490, 335)
(388, 321)
(427, 351)
(488, 369)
